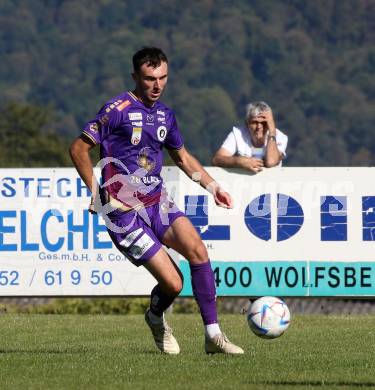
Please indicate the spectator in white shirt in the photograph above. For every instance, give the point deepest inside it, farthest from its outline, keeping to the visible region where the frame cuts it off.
(256, 145)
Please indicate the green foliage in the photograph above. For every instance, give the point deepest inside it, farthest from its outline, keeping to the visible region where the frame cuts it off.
(312, 61)
(96, 306)
(82, 306)
(28, 140)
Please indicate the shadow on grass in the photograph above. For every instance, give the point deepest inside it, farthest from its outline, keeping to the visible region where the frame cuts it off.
(315, 383)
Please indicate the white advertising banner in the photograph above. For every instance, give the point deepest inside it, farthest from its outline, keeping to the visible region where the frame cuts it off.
(292, 232)
(50, 244)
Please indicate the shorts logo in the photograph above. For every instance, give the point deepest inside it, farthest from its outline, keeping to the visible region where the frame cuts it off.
(135, 116)
(94, 127)
(123, 105)
(141, 246)
(130, 238)
(136, 136)
(161, 133)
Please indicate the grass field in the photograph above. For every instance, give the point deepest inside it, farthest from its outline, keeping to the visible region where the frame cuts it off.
(84, 351)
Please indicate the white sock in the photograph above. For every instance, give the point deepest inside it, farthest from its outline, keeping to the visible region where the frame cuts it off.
(212, 330)
(156, 320)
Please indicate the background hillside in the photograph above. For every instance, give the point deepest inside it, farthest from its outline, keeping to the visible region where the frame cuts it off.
(312, 61)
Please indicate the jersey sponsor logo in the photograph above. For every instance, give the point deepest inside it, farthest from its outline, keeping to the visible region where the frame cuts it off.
(136, 135)
(138, 124)
(123, 105)
(150, 120)
(144, 179)
(161, 119)
(161, 133)
(94, 127)
(135, 116)
(159, 112)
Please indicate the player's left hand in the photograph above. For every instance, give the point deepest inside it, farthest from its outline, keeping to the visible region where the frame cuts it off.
(223, 199)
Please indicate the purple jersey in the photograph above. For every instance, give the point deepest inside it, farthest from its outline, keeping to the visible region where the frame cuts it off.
(131, 137)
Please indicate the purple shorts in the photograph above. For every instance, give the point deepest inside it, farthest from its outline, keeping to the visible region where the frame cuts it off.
(139, 234)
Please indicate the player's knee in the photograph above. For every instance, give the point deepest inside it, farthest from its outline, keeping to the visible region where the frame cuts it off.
(198, 253)
(175, 287)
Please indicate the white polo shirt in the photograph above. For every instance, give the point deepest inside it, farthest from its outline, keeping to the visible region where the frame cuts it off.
(238, 142)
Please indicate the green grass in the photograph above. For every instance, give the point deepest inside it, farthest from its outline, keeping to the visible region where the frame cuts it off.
(94, 351)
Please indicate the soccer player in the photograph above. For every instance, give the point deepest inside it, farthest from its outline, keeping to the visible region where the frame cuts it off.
(256, 145)
(132, 130)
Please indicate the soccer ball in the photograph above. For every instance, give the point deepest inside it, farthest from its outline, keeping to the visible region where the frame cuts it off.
(268, 317)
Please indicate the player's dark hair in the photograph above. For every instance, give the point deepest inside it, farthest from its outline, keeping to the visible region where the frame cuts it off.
(151, 56)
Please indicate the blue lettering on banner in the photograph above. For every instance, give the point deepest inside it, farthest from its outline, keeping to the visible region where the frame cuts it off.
(196, 209)
(98, 228)
(76, 228)
(81, 186)
(60, 192)
(7, 229)
(41, 187)
(26, 246)
(77, 235)
(52, 247)
(7, 184)
(333, 218)
(258, 217)
(290, 217)
(368, 218)
(26, 184)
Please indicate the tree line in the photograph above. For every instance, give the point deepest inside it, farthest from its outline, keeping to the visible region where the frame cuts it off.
(312, 61)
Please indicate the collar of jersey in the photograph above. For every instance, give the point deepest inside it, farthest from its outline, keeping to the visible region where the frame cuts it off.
(131, 94)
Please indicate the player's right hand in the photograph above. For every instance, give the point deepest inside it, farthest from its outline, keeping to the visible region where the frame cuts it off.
(92, 209)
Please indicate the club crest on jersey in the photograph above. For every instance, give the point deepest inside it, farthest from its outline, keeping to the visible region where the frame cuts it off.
(136, 135)
(161, 133)
(94, 127)
(144, 161)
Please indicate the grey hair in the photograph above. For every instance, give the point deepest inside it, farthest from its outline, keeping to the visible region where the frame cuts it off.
(255, 108)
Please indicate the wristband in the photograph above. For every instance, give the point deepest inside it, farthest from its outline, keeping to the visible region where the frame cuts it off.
(271, 138)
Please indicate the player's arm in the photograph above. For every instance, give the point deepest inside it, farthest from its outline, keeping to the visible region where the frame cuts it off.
(80, 155)
(194, 170)
(223, 158)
